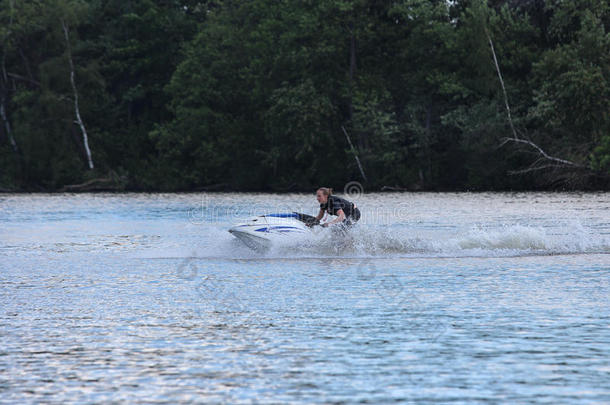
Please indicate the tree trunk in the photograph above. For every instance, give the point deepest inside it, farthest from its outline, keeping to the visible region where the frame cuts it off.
(4, 89)
(428, 148)
(493, 52)
(79, 120)
(352, 53)
(540, 163)
(352, 72)
(7, 124)
(355, 154)
(27, 65)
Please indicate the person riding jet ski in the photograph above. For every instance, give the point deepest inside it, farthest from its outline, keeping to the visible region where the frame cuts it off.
(347, 213)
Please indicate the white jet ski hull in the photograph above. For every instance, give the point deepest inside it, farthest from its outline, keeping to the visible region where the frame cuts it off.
(261, 232)
(252, 241)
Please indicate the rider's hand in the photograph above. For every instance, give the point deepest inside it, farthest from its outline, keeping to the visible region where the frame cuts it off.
(324, 225)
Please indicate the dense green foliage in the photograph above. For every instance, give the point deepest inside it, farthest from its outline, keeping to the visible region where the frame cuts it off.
(253, 95)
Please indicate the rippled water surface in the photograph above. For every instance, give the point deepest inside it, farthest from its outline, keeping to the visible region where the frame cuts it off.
(460, 298)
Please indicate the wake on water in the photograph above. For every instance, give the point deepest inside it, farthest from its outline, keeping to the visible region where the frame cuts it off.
(477, 241)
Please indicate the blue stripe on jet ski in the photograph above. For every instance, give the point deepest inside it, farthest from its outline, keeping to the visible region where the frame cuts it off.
(285, 228)
(282, 215)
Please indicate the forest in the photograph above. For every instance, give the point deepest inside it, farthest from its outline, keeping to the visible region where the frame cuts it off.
(286, 95)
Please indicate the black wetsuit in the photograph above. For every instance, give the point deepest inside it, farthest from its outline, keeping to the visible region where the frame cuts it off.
(334, 204)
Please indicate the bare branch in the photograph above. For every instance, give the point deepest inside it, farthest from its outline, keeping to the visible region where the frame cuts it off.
(543, 153)
(23, 78)
(535, 168)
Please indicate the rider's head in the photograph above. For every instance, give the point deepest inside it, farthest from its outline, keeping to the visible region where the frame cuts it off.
(322, 194)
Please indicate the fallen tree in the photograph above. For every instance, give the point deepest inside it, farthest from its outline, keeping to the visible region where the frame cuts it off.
(544, 160)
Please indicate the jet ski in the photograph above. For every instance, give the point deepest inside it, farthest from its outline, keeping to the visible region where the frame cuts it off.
(260, 232)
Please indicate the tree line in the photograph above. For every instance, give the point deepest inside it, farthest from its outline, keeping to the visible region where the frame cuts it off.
(286, 95)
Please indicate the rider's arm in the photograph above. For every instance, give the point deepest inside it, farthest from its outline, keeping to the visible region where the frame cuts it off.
(339, 218)
(320, 214)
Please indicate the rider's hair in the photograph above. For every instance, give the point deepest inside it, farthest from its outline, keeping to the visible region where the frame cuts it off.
(326, 191)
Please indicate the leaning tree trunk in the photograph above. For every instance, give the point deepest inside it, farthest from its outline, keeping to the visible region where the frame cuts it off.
(544, 161)
(79, 120)
(352, 72)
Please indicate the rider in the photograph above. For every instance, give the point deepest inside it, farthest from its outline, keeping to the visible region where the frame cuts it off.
(347, 213)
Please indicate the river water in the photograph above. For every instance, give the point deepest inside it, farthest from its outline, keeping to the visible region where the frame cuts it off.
(437, 297)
